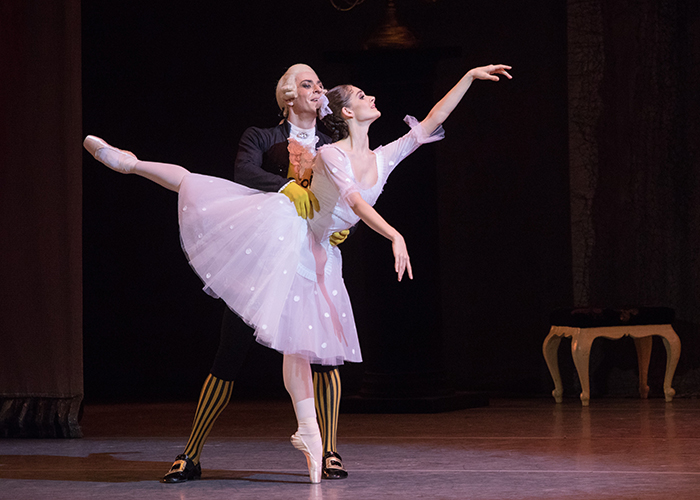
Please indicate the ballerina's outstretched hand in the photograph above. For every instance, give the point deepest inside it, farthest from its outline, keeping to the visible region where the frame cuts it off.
(490, 72)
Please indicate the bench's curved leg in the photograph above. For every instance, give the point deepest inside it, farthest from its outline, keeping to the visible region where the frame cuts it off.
(550, 350)
(643, 345)
(673, 352)
(581, 352)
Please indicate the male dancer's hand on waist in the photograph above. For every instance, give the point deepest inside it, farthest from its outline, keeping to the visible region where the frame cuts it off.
(338, 237)
(304, 200)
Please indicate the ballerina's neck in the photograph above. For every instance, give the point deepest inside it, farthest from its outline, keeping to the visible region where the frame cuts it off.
(357, 140)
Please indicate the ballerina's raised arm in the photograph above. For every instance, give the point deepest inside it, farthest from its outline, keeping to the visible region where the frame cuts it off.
(447, 104)
(353, 113)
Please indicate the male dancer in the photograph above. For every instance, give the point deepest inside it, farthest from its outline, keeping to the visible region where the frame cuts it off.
(263, 163)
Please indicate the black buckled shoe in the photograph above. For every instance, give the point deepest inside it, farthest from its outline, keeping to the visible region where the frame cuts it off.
(333, 466)
(183, 470)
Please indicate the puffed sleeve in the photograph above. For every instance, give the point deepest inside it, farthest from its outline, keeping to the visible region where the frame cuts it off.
(336, 166)
(404, 146)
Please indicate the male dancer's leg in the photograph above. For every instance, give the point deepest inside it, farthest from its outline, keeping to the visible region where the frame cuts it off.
(327, 390)
(235, 342)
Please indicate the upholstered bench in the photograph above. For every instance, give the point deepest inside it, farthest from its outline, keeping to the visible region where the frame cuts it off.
(584, 325)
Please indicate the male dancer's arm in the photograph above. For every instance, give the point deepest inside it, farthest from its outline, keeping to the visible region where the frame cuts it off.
(248, 170)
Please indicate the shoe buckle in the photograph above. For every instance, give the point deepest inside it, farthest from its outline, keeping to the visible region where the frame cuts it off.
(178, 466)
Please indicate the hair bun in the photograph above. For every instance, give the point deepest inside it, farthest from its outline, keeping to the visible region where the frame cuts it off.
(338, 98)
(337, 126)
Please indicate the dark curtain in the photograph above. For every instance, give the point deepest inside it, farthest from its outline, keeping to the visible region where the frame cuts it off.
(41, 378)
(635, 172)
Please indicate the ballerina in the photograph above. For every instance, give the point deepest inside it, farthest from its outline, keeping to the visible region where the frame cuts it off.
(273, 160)
(278, 271)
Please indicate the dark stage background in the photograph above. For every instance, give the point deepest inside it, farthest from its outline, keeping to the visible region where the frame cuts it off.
(574, 183)
(492, 248)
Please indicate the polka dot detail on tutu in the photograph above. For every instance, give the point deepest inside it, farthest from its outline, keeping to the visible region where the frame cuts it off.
(327, 315)
(252, 288)
(248, 251)
(311, 327)
(204, 209)
(344, 315)
(208, 275)
(264, 327)
(334, 292)
(324, 345)
(184, 209)
(297, 298)
(200, 235)
(391, 163)
(281, 238)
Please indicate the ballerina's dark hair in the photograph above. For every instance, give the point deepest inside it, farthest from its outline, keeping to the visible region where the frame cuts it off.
(338, 98)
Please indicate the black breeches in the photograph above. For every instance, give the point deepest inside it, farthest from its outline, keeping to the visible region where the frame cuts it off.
(234, 344)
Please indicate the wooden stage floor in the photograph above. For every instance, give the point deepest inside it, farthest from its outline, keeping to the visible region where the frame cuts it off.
(512, 449)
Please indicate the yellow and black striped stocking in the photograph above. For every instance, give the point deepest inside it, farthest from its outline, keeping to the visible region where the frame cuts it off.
(327, 397)
(215, 395)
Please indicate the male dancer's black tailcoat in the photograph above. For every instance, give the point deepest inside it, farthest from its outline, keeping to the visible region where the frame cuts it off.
(263, 159)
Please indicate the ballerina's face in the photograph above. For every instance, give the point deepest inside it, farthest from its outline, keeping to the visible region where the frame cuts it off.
(309, 92)
(363, 106)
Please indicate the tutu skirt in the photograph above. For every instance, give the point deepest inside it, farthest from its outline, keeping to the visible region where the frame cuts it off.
(251, 249)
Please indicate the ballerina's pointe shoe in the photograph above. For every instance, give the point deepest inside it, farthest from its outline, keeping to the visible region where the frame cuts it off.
(312, 448)
(116, 159)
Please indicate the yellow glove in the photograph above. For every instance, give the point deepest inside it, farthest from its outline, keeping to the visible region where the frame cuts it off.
(304, 200)
(338, 237)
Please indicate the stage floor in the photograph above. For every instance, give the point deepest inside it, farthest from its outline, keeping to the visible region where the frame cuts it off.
(512, 449)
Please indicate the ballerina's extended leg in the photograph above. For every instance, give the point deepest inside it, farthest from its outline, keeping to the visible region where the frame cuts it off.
(165, 174)
(307, 439)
